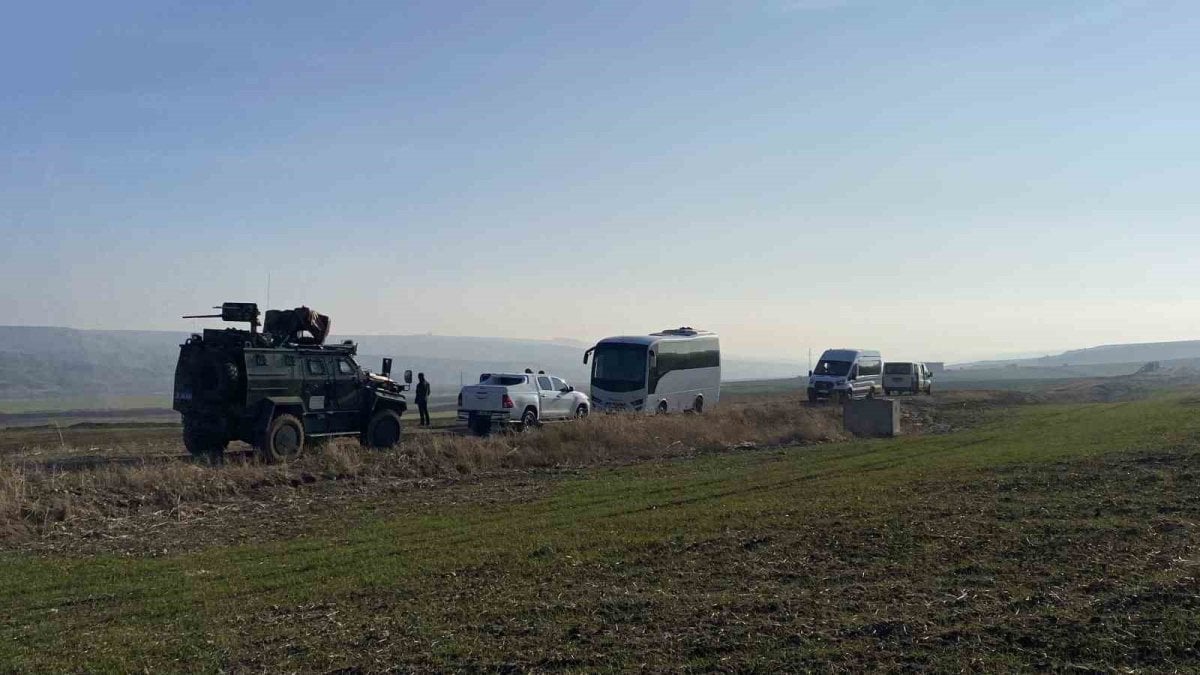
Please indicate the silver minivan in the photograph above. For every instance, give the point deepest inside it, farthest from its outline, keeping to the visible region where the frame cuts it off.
(910, 376)
(846, 374)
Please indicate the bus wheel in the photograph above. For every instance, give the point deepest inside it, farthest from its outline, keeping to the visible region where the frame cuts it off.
(698, 406)
(662, 408)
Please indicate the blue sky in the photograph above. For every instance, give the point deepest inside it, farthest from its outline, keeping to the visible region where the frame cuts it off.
(941, 180)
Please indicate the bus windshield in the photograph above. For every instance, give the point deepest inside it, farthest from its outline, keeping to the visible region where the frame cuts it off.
(619, 368)
(834, 368)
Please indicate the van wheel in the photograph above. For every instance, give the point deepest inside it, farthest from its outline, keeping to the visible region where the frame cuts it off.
(384, 429)
(662, 408)
(529, 419)
(581, 411)
(284, 440)
(698, 406)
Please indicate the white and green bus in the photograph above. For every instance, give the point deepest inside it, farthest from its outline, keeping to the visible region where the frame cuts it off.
(670, 371)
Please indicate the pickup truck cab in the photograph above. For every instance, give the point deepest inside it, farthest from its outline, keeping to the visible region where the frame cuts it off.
(524, 400)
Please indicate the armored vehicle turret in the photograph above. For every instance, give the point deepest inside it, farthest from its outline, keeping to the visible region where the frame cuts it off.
(281, 388)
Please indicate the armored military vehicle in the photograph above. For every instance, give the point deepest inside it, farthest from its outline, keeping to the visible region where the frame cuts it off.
(281, 388)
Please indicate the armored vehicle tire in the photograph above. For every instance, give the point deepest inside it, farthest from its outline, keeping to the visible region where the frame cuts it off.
(384, 429)
(202, 444)
(284, 439)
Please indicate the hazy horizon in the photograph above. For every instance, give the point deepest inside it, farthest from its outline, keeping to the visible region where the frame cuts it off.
(940, 181)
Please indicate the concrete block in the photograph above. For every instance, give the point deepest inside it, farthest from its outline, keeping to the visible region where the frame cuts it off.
(872, 417)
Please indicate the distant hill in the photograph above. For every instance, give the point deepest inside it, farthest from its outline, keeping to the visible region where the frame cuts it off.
(1103, 355)
(50, 363)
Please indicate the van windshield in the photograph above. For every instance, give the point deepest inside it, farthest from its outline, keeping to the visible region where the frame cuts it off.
(834, 368)
(898, 368)
(619, 368)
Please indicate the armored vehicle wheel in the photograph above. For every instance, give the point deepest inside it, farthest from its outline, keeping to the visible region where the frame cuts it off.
(201, 442)
(284, 439)
(383, 431)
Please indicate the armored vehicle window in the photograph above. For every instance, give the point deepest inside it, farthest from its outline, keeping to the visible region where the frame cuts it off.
(344, 367)
(544, 384)
(316, 367)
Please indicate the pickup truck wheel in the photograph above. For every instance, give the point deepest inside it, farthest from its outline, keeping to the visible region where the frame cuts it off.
(581, 411)
(384, 429)
(284, 440)
(662, 408)
(698, 406)
(529, 419)
(479, 425)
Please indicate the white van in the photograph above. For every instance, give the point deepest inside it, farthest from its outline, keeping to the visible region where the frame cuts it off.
(845, 374)
(910, 376)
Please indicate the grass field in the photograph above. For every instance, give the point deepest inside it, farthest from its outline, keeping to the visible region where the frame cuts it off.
(1049, 536)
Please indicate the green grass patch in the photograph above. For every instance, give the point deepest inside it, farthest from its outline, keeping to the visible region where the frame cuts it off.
(1052, 537)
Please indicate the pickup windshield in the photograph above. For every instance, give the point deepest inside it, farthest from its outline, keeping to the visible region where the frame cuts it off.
(834, 368)
(619, 368)
(502, 380)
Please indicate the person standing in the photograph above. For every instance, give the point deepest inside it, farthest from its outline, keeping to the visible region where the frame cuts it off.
(423, 399)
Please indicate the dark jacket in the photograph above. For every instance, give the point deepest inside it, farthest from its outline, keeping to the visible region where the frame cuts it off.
(423, 391)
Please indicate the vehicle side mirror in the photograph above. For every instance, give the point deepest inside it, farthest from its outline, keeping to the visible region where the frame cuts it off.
(810, 373)
(386, 370)
(408, 377)
(587, 354)
(566, 390)
(653, 359)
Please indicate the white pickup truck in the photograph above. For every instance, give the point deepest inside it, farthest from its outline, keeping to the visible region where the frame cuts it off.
(521, 399)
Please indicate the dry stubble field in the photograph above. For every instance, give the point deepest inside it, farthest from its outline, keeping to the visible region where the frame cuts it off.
(1007, 534)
